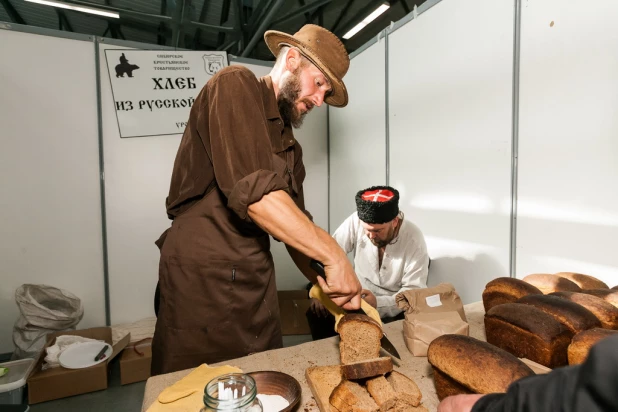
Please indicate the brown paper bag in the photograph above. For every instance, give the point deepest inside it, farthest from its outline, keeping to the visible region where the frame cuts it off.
(429, 313)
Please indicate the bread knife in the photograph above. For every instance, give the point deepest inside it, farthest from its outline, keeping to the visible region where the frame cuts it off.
(365, 309)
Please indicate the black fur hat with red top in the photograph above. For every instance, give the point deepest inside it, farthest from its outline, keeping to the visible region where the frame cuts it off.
(377, 204)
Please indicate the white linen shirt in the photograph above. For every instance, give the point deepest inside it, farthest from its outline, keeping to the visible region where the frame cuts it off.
(404, 264)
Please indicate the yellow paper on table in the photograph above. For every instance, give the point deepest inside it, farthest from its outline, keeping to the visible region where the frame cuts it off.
(188, 393)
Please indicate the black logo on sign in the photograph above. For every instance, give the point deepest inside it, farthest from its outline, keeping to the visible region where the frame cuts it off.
(125, 67)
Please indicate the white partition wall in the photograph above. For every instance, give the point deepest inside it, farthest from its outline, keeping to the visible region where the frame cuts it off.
(450, 106)
(568, 139)
(50, 208)
(358, 133)
(137, 178)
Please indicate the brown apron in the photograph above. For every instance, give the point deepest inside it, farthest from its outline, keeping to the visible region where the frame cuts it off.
(218, 291)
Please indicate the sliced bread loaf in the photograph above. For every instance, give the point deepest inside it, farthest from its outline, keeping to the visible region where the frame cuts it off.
(360, 338)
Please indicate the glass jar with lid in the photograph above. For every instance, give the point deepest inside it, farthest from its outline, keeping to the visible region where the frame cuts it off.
(232, 392)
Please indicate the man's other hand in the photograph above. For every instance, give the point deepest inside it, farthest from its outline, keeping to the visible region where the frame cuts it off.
(319, 309)
(369, 297)
(458, 403)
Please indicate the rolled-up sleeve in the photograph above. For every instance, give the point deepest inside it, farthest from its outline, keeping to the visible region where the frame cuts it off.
(240, 143)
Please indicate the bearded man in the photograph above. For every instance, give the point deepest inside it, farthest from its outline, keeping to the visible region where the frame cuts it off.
(390, 256)
(238, 178)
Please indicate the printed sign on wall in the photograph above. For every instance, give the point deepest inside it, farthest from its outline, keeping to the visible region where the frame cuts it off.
(154, 90)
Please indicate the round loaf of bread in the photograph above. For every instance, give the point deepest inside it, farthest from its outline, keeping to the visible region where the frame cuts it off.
(551, 283)
(572, 315)
(605, 312)
(506, 290)
(583, 281)
(608, 295)
(582, 343)
(476, 365)
(615, 287)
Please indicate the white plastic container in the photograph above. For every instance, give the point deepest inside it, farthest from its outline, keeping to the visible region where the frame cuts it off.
(12, 384)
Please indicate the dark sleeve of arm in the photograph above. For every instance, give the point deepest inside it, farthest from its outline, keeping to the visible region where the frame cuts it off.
(240, 142)
(299, 175)
(589, 387)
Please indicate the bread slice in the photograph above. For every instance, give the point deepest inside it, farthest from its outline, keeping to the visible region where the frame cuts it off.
(575, 317)
(583, 281)
(382, 393)
(547, 283)
(360, 338)
(322, 380)
(406, 388)
(349, 396)
(582, 343)
(605, 312)
(462, 364)
(528, 332)
(506, 290)
(608, 295)
(368, 368)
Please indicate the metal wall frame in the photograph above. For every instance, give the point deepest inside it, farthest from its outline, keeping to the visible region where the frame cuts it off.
(384, 34)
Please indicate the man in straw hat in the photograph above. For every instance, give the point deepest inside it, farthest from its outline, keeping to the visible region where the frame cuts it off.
(238, 178)
(390, 256)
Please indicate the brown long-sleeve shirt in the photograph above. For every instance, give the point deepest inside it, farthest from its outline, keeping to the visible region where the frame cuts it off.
(235, 139)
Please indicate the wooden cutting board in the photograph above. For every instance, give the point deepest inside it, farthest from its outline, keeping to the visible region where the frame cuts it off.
(322, 380)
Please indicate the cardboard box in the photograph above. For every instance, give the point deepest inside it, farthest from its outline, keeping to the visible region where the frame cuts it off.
(56, 383)
(293, 304)
(133, 366)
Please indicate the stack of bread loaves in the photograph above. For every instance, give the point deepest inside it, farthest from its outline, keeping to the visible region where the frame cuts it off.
(540, 316)
(364, 382)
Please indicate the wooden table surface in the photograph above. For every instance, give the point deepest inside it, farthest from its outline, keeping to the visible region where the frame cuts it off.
(296, 359)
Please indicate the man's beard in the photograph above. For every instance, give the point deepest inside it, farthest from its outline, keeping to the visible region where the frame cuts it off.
(287, 100)
(381, 243)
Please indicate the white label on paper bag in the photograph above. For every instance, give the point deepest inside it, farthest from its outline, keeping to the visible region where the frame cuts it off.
(433, 301)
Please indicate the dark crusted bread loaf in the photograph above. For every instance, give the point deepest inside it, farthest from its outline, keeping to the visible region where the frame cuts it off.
(360, 338)
(615, 287)
(608, 295)
(582, 343)
(528, 332)
(368, 368)
(551, 283)
(349, 396)
(462, 364)
(583, 281)
(575, 317)
(506, 290)
(605, 312)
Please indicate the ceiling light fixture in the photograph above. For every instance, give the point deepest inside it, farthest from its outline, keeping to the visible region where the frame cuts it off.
(75, 7)
(374, 15)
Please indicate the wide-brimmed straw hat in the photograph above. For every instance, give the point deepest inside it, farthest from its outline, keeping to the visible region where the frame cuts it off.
(323, 49)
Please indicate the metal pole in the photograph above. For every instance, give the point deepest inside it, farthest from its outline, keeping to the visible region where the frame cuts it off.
(515, 137)
(97, 62)
(304, 9)
(260, 31)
